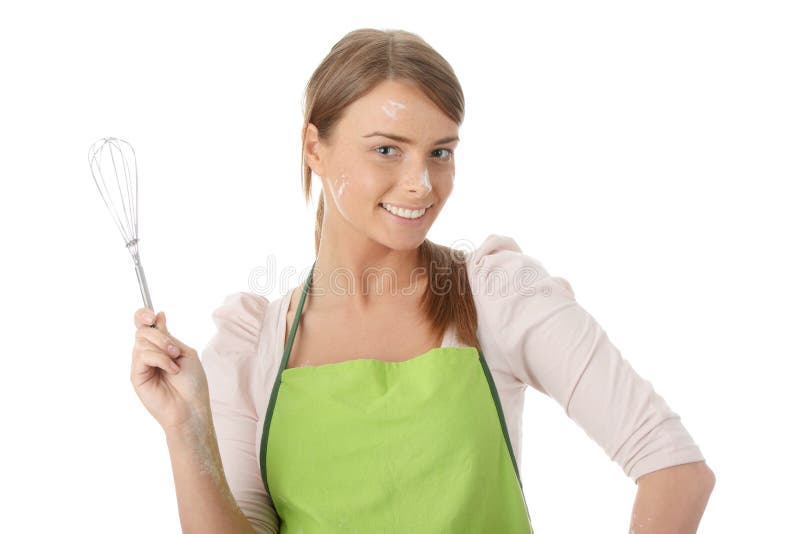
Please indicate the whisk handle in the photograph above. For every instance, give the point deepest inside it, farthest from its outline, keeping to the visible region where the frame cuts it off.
(143, 285)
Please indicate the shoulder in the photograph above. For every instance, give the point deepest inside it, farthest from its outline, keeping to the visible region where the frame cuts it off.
(230, 356)
(240, 316)
(235, 384)
(521, 308)
(500, 271)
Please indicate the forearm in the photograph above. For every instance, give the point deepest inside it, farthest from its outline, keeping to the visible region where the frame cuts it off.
(205, 502)
(672, 500)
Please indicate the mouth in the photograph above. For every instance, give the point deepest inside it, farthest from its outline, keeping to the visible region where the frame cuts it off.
(404, 214)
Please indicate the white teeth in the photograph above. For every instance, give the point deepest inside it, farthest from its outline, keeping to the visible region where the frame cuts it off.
(408, 214)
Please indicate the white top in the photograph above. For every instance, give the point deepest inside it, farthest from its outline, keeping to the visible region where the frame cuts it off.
(533, 333)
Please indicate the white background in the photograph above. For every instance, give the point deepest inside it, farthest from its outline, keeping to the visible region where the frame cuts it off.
(646, 152)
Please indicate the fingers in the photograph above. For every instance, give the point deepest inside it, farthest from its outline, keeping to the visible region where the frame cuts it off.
(147, 317)
(185, 349)
(143, 317)
(144, 359)
(156, 339)
(154, 347)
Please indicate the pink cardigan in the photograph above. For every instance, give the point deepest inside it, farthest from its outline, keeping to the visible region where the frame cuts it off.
(533, 333)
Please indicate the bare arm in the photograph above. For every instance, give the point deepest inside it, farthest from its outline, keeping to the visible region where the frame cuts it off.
(205, 501)
(672, 500)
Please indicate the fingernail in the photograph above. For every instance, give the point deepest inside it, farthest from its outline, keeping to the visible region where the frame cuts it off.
(149, 317)
(173, 349)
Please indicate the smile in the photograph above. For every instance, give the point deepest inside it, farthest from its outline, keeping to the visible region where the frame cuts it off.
(405, 213)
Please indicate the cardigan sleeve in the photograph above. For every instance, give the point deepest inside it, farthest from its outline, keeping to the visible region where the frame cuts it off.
(230, 362)
(551, 343)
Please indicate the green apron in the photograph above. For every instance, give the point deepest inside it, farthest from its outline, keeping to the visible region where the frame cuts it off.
(367, 446)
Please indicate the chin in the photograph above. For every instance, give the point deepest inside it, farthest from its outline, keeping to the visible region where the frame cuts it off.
(403, 241)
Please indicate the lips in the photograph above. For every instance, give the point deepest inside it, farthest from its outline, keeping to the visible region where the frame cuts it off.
(405, 206)
(405, 216)
(405, 213)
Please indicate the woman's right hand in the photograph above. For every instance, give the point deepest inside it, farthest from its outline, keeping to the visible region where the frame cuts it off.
(176, 398)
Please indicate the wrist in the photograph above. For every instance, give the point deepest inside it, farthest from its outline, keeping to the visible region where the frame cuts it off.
(197, 428)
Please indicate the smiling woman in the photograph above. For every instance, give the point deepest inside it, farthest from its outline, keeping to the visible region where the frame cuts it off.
(397, 406)
(409, 181)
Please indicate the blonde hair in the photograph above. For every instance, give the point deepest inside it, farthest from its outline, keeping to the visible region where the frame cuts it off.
(361, 60)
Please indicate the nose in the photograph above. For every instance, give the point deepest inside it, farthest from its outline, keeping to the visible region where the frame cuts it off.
(418, 182)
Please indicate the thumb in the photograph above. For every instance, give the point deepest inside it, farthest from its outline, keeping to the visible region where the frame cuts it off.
(161, 322)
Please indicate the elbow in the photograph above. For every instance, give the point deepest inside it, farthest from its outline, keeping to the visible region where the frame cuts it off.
(702, 475)
(694, 476)
(702, 481)
(708, 478)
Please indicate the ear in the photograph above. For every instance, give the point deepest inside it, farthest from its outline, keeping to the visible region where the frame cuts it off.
(312, 149)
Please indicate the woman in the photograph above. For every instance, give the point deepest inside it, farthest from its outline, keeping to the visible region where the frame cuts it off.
(395, 404)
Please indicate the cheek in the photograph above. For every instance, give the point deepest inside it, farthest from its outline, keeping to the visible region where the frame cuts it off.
(350, 186)
(443, 179)
(337, 185)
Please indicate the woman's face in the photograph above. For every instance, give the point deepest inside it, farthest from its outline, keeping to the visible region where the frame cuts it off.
(393, 148)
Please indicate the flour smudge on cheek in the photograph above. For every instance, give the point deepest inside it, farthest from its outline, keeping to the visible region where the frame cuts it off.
(337, 187)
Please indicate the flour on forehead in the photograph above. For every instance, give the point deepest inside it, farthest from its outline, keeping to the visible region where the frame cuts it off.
(391, 107)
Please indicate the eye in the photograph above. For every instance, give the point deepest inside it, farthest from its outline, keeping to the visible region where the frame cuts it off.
(388, 147)
(448, 156)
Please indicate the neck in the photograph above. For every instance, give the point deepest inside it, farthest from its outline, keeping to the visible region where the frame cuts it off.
(358, 274)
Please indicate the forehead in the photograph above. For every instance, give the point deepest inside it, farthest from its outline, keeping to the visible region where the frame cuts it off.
(398, 107)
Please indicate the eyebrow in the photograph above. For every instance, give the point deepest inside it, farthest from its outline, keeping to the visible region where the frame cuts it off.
(401, 139)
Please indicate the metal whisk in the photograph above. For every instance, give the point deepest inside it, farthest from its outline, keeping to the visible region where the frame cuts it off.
(113, 165)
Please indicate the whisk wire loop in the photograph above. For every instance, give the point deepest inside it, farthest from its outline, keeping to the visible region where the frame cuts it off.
(113, 164)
